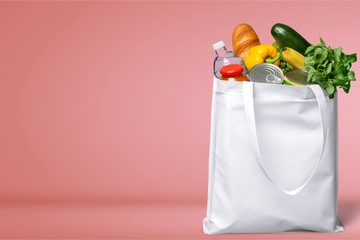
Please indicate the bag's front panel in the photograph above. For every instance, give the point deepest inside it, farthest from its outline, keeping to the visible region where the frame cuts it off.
(241, 198)
(289, 132)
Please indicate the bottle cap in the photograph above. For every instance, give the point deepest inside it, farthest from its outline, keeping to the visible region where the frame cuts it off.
(231, 70)
(218, 45)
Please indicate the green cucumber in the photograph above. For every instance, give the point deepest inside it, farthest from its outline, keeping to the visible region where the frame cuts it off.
(285, 36)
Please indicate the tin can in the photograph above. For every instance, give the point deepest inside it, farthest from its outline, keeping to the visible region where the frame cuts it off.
(266, 73)
(296, 77)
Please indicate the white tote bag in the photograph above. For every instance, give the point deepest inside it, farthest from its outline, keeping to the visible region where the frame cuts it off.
(273, 159)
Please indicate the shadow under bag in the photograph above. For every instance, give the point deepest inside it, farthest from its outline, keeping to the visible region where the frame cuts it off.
(273, 159)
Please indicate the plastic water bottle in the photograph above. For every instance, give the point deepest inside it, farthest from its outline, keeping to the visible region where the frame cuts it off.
(224, 57)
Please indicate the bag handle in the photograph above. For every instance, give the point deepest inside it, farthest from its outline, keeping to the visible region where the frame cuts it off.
(248, 93)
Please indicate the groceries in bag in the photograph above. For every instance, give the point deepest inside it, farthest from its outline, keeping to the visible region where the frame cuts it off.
(223, 57)
(266, 73)
(296, 77)
(329, 67)
(318, 63)
(243, 38)
(294, 58)
(326, 66)
(232, 72)
(260, 54)
(286, 36)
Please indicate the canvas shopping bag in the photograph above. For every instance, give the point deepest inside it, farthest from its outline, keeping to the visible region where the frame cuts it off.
(273, 159)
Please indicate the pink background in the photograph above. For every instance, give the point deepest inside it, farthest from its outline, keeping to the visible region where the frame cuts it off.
(105, 113)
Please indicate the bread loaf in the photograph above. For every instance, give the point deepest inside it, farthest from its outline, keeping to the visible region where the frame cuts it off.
(244, 37)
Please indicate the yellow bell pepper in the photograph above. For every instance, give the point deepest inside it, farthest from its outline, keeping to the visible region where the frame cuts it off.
(262, 53)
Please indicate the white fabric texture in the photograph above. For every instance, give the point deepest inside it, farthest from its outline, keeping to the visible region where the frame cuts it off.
(273, 159)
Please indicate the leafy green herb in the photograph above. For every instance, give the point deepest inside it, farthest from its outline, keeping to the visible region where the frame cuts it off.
(330, 68)
(285, 66)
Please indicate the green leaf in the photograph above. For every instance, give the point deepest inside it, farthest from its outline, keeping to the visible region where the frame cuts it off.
(317, 77)
(309, 49)
(339, 69)
(346, 87)
(318, 51)
(322, 85)
(347, 66)
(322, 42)
(343, 69)
(310, 74)
(323, 56)
(328, 68)
(320, 55)
(330, 89)
(340, 77)
(309, 61)
(337, 54)
(351, 76)
(351, 58)
(340, 80)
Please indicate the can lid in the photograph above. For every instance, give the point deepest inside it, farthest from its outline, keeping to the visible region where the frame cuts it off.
(231, 70)
(267, 73)
(218, 45)
(297, 76)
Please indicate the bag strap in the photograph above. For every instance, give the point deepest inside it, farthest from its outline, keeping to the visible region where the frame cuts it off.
(248, 93)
